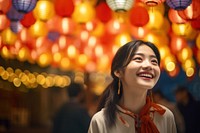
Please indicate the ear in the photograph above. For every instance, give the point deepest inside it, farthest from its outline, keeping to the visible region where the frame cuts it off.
(117, 73)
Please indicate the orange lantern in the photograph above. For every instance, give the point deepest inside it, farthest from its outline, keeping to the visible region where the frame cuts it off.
(38, 29)
(138, 32)
(139, 16)
(4, 22)
(5, 6)
(67, 25)
(174, 17)
(83, 12)
(54, 24)
(195, 24)
(44, 10)
(192, 12)
(8, 37)
(177, 44)
(64, 8)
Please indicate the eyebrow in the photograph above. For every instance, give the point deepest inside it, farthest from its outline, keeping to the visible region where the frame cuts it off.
(141, 54)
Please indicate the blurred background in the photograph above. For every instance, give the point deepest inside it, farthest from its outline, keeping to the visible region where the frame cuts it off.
(47, 44)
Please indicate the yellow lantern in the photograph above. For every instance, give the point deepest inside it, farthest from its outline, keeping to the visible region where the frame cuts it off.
(198, 41)
(8, 37)
(185, 54)
(83, 12)
(38, 29)
(156, 20)
(45, 59)
(184, 29)
(23, 54)
(122, 38)
(44, 10)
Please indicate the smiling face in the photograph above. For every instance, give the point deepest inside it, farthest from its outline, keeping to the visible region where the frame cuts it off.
(143, 70)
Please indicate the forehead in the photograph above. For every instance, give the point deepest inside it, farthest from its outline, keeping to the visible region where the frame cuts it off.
(145, 50)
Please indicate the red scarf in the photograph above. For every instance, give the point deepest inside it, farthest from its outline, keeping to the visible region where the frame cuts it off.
(147, 125)
(144, 122)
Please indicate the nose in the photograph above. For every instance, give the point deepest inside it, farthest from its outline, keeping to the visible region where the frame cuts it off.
(147, 65)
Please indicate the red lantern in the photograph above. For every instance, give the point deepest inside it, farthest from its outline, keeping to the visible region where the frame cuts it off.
(103, 12)
(196, 24)
(64, 8)
(152, 2)
(28, 20)
(192, 12)
(139, 16)
(174, 17)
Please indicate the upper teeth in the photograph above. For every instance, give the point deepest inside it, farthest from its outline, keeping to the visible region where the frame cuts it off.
(146, 75)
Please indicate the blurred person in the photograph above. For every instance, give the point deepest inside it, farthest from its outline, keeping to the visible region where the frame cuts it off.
(125, 105)
(190, 109)
(72, 117)
(160, 98)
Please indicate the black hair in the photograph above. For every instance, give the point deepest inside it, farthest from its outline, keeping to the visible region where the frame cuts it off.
(74, 89)
(122, 58)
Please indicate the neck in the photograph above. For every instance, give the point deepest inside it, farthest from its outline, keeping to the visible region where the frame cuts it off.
(133, 101)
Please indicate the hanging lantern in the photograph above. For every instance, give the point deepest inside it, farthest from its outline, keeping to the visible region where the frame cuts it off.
(38, 29)
(139, 16)
(5, 6)
(103, 12)
(182, 29)
(84, 12)
(64, 8)
(4, 22)
(54, 24)
(8, 37)
(138, 32)
(192, 12)
(67, 26)
(178, 4)
(16, 26)
(24, 6)
(44, 10)
(177, 44)
(120, 5)
(28, 20)
(155, 20)
(14, 15)
(152, 2)
(195, 24)
(174, 17)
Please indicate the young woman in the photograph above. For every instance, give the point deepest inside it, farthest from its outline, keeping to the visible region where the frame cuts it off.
(126, 106)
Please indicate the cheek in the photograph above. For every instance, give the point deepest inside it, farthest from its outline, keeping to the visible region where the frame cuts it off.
(157, 72)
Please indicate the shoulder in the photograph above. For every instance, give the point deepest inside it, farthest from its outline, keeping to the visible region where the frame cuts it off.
(97, 123)
(168, 112)
(99, 116)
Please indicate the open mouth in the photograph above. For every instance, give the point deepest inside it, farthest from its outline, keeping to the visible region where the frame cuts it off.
(146, 75)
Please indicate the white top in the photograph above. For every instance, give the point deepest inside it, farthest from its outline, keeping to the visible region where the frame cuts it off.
(126, 124)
